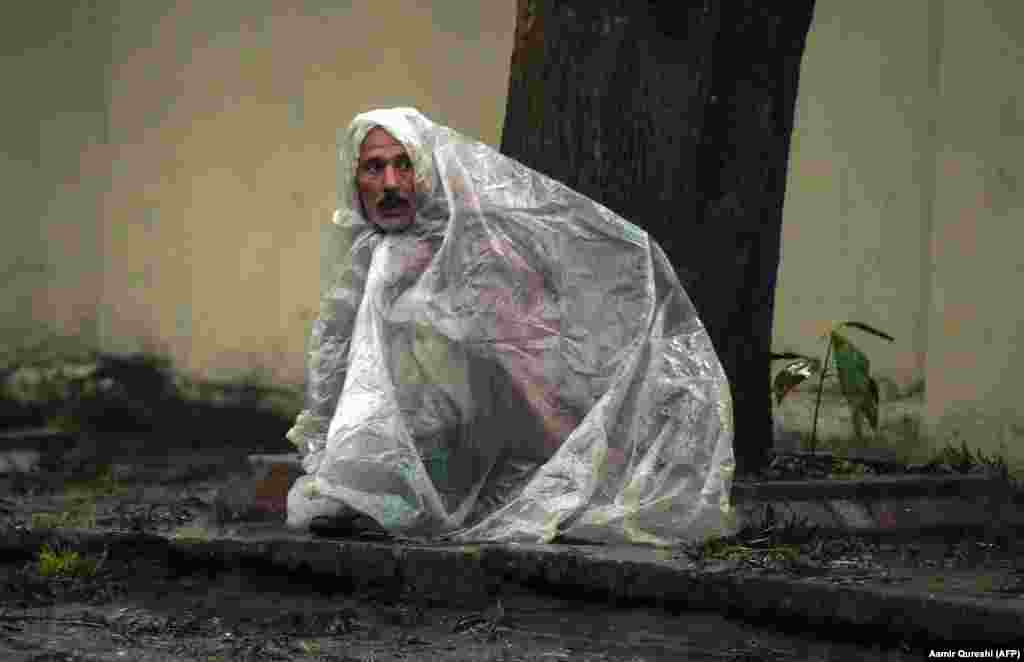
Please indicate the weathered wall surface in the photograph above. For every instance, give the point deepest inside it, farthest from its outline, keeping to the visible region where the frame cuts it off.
(854, 235)
(975, 344)
(904, 206)
(53, 66)
(224, 119)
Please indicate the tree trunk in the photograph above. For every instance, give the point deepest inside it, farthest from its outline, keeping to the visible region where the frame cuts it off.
(677, 116)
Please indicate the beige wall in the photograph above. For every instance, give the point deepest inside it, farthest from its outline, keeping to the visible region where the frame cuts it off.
(856, 209)
(169, 167)
(223, 122)
(54, 113)
(975, 348)
(904, 205)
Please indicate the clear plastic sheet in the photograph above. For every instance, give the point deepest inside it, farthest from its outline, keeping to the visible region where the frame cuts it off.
(520, 363)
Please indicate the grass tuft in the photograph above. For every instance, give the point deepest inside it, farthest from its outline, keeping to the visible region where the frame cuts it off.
(101, 485)
(192, 534)
(65, 563)
(80, 514)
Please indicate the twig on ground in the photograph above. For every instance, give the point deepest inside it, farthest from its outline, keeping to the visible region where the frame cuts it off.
(64, 621)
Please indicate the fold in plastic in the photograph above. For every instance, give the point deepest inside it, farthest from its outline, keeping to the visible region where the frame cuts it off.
(521, 363)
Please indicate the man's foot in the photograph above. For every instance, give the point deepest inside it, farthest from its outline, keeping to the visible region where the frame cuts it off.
(350, 525)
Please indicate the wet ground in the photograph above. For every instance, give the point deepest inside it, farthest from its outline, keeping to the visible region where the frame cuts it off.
(161, 609)
(145, 608)
(142, 609)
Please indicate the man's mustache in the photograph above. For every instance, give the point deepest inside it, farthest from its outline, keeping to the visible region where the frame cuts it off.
(391, 200)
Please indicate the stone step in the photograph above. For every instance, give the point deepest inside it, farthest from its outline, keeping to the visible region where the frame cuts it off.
(883, 505)
(876, 487)
(886, 517)
(35, 439)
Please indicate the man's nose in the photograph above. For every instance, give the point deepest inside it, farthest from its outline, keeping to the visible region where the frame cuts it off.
(390, 176)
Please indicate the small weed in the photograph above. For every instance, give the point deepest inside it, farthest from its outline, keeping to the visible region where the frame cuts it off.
(775, 542)
(985, 583)
(962, 460)
(724, 549)
(851, 368)
(310, 647)
(192, 534)
(102, 484)
(46, 521)
(65, 563)
(842, 468)
(80, 514)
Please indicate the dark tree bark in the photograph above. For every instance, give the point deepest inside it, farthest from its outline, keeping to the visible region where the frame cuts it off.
(677, 116)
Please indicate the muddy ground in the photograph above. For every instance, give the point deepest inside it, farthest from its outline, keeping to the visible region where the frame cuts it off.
(165, 609)
(172, 609)
(144, 609)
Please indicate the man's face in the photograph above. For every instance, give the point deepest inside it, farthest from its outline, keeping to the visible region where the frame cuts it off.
(387, 184)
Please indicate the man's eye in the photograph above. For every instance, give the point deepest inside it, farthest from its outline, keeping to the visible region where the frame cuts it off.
(403, 163)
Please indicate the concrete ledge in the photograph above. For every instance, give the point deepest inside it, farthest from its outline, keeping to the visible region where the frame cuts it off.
(291, 460)
(887, 487)
(884, 517)
(882, 487)
(470, 575)
(886, 505)
(35, 438)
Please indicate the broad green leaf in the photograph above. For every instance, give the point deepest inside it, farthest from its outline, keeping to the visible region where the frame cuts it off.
(859, 388)
(793, 375)
(852, 366)
(870, 329)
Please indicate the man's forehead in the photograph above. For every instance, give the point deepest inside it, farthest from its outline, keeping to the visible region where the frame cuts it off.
(379, 140)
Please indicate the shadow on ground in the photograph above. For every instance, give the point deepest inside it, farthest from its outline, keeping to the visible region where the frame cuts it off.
(113, 397)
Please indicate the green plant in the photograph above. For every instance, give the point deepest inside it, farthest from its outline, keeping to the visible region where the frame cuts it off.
(310, 647)
(851, 367)
(726, 549)
(774, 541)
(46, 521)
(80, 513)
(65, 563)
(963, 460)
(192, 534)
(845, 469)
(101, 484)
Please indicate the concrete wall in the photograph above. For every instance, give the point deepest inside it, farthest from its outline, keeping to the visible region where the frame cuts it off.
(975, 345)
(856, 221)
(223, 120)
(904, 206)
(52, 64)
